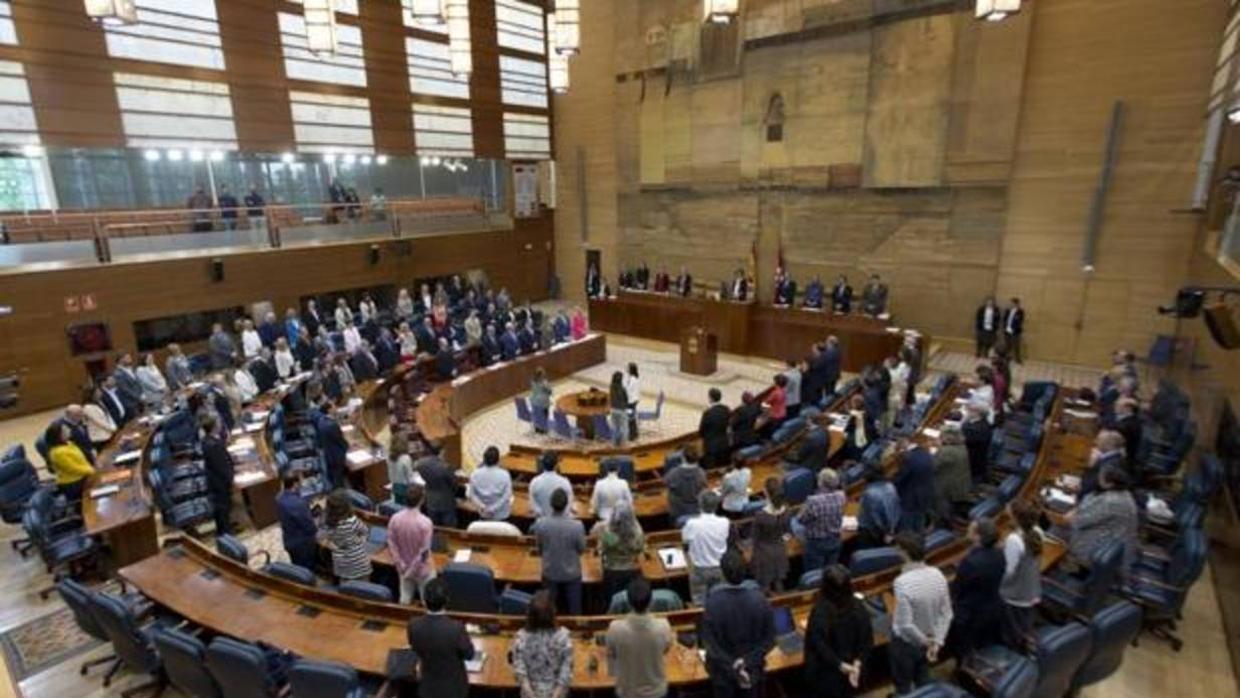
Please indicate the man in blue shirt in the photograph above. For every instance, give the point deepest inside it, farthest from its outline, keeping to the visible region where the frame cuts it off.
(228, 208)
(297, 524)
(879, 514)
(509, 344)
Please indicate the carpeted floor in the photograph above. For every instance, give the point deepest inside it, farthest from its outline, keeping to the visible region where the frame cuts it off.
(44, 642)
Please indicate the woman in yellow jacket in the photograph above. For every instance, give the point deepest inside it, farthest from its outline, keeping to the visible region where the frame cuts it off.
(67, 461)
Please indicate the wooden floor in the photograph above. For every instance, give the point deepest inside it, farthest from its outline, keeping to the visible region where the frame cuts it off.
(1201, 670)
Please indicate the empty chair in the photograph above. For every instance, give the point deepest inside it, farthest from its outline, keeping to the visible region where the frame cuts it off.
(313, 679)
(1017, 680)
(1086, 596)
(799, 484)
(539, 419)
(810, 580)
(241, 669)
(471, 588)
(131, 643)
(652, 416)
(1112, 629)
(231, 547)
(290, 573)
(63, 546)
(514, 602)
(366, 590)
(359, 500)
(77, 598)
(661, 601)
(523, 410)
(873, 560)
(185, 663)
(18, 483)
(938, 539)
(1058, 651)
(561, 428)
(1162, 595)
(749, 453)
(602, 428)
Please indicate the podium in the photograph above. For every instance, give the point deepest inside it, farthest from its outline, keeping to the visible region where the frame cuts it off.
(699, 351)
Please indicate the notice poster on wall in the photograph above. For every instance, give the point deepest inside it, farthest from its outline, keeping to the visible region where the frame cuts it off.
(525, 190)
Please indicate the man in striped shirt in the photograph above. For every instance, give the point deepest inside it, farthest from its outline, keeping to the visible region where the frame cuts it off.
(922, 616)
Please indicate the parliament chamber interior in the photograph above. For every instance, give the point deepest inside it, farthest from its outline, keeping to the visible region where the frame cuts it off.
(646, 348)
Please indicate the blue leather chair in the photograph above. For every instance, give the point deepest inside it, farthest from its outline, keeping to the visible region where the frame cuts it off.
(1162, 592)
(657, 414)
(389, 508)
(1112, 629)
(602, 428)
(540, 421)
(939, 690)
(63, 546)
(1058, 650)
(185, 663)
(988, 508)
(131, 643)
(241, 669)
(514, 602)
(749, 453)
(18, 483)
(874, 560)
(77, 598)
(1018, 680)
(471, 588)
(561, 428)
(313, 679)
(231, 547)
(1085, 596)
(181, 515)
(359, 500)
(290, 573)
(799, 484)
(366, 590)
(938, 539)
(661, 601)
(523, 410)
(810, 580)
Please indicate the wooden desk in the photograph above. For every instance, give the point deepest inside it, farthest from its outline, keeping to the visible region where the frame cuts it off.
(749, 329)
(125, 520)
(570, 404)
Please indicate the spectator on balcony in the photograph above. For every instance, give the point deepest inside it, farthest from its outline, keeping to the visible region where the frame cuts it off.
(378, 205)
(336, 194)
(200, 203)
(355, 204)
(255, 208)
(228, 208)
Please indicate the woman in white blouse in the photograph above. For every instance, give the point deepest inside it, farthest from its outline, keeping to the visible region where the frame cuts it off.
(404, 304)
(343, 315)
(99, 424)
(286, 364)
(633, 392)
(154, 387)
(251, 342)
(983, 396)
(367, 308)
(900, 372)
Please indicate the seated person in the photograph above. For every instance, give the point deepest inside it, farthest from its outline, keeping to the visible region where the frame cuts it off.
(813, 295)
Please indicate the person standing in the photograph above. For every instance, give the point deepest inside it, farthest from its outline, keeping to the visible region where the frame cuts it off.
(255, 208)
(952, 480)
(636, 646)
(409, 534)
(770, 553)
(879, 513)
(540, 397)
(200, 205)
(706, 537)
(977, 434)
(684, 483)
(633, 393)
(618, 400)
(734, 489)
(547, 482)
(610, 491)
(792, 399)
(297, 527)
(346, 538)
(1021, 589)
(221, 347)
(439, 479)
(490, 488)
(832, 364)
(738, 629)
(542, 654)
(922, 616)
(841, 295)
(220, 471)
(976, 605)
(914, 483)
(1014, 329)
(442, 646)
(838, 638)
(874, 297)
(561, 541)
(713, 428)
(621, 544)
(228, 208)
(334, 446)
(820, 521)
(985, 323)
(176, 368)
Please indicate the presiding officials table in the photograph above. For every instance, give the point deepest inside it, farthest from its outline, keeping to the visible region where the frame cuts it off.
(749, 329)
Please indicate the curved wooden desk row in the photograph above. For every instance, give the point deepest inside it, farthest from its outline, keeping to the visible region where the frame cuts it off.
(749, 329)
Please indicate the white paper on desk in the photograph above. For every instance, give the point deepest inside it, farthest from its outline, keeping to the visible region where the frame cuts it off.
(195, 385)
(259, 415)
(893, 330)
(105, 491)
(849, 523)
(461, 555)
(346, 428)
(237, 431)
(474, 666)
(931, 432)
(126, 457)
(673, 559)
(248, 477)
(1054, 494)
(253, 427)
(360, 457)
(354, 403)
(884, 316)
(1081, 414)
(1071, 482)
(1078, 403)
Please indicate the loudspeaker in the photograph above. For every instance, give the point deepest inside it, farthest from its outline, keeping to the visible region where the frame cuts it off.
(217, 270)
(374, 255)
(1222, 325)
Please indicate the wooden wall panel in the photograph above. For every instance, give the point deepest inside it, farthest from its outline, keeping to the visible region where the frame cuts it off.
(487, 106)
(910, 85)
(988, 79)
(250, 36)
(387, 76)
(127, 292)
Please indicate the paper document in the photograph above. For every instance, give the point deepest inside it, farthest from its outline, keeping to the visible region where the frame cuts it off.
(849, 523)
(360, 457)
(930, 432)
(127, 457)
(105, 491)
(673, 559)
(461, 555)
(249, 477)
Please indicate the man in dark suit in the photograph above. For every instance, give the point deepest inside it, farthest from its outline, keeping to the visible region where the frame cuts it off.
(363, 363)
(442, 646)
(441, 486)
(912, 355)
(593, 282)
(425, 334)
(491, 349)
(985, 324)
(832, 362)
(785, 289)
(642, 277)
(745, 421)
(387, 354)
(813, 451)
(684, 283)
(1013, 329)
(1108, 452)
(914, 483)
(874, 297)
(662, 281)
(220, 470)
(334, 446)
(221, 347)
(713, 428)
(1128, 424)
(263, 370)
(128, 386)
(527, 338)
(509, 345)
(813, 295)
(111, 401)
(270, 330)
(841, 295)
(311, 318)
(739, 290)
(977, 434)
(445, 361)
